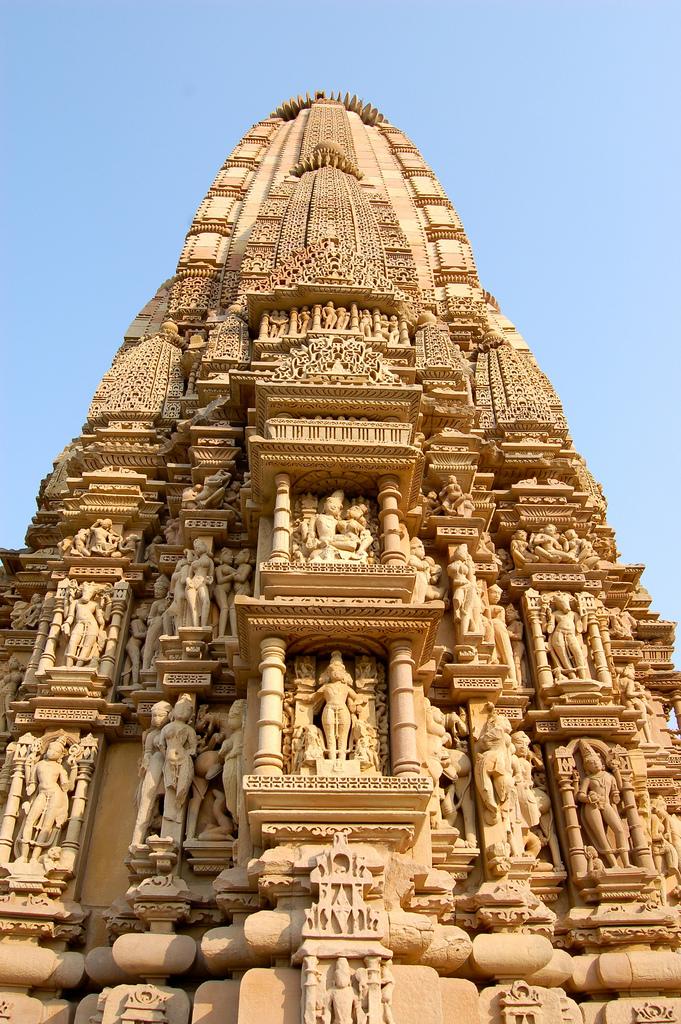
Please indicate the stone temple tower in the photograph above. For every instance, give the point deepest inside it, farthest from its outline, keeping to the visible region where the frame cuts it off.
(324, 695)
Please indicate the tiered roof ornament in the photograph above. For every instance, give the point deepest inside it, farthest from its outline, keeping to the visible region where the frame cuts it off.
(323, 691)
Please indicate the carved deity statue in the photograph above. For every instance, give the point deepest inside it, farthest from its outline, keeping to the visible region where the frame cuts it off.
(218, 769)
(48, 785)
(198, 585)
(564, 628)
(178, 743)
(337, 698)
(242, 583)
(336, 531)
(224, 578)
(177, 613)
(84, 625)
(157, 611)
(428, 573)
(602, 824)
(453, 501)
(466, 600)
(516, 631)
(494, 770)
(133, 646)
(528, 815)
(634, 695)
(503, 647)
(150, 785)
(665, 841)
(11, 675)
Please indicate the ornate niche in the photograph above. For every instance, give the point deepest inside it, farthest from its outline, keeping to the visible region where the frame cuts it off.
(80, 649)
(42, 825)
(608, 847)
(567, 645)
(335, 716)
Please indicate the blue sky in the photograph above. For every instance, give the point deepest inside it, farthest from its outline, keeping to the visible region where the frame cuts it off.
(553, 126)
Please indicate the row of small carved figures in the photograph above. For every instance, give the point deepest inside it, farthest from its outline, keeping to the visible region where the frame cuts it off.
(371, 324)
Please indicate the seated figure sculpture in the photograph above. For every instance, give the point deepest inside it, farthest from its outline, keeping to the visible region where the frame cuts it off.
(337, 531)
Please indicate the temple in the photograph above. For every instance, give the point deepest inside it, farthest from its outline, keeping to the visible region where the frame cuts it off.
(324, 696)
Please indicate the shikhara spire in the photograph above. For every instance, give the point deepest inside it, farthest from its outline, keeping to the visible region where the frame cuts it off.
(321, 681)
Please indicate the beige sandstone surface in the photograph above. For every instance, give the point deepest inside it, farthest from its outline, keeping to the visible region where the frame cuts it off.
(324, 695)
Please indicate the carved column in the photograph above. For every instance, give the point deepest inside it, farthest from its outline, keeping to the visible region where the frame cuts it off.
(538, 643)
(49, 654)
(268, 758)
(281, 536)
(600, 661)
(46, 613)
(13, 804)
(403, 752)
(121, 595)
(389, 515)
(264, 327)
(565, 773)
(316, 317)
(86, 767)
(621, 769)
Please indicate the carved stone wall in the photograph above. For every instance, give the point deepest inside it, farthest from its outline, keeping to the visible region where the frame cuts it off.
(324, 695)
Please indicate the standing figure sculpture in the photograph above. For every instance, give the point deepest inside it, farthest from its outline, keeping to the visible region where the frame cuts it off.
(177, 613)
(150, 772)
(600, 797)
(133, 647)
(466, 601)
(224, 577)
(48, 785)
(10, 681)
(231, 753)
(178, 743)
(564, 628)
(159, 607)
(503, 648)
(516, 631)
(200, 575)
(84, 626)
(337, 697)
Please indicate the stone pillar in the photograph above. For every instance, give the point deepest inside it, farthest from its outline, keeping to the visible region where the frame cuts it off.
(597, 649)
(316, 317)
(264, 327)
(121, 596)
(86, 766)
(565, 768)
(22, 750)
(268, 758)
(389, 516)
(281, 534)
(354, 318)
(403, 752)
(46, 613)
(49, 655)
(538, 643)
(640, 845)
